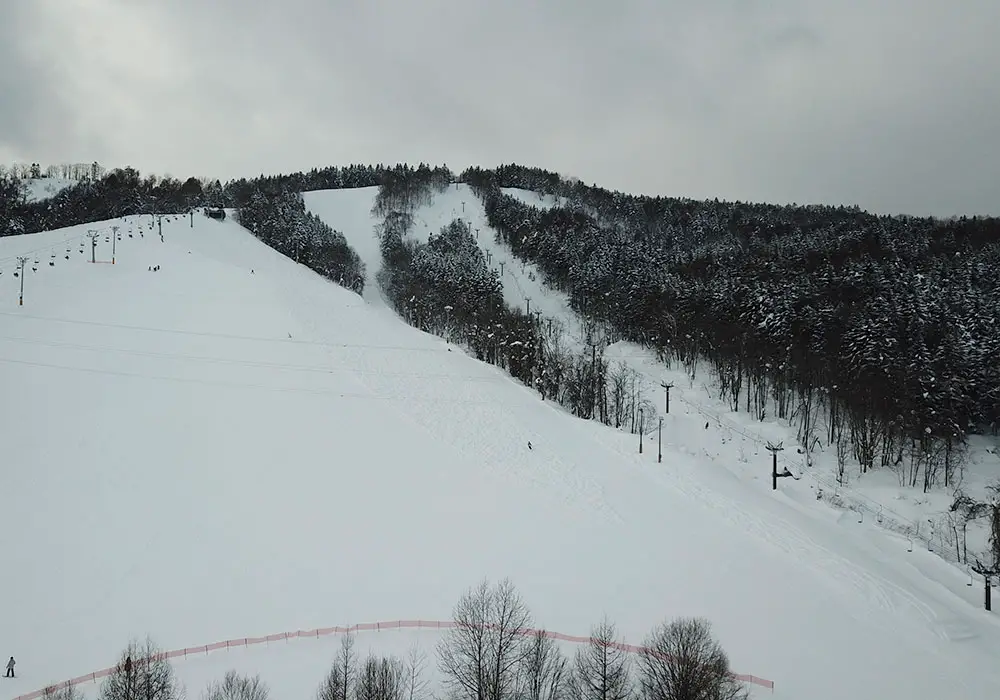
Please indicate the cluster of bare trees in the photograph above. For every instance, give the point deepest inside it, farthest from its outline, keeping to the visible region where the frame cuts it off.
(491, 653)
(376, 678)
(965, 511)
(142, 673)
(67, 171)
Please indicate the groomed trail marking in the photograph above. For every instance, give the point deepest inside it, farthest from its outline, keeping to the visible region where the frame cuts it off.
(363, 627)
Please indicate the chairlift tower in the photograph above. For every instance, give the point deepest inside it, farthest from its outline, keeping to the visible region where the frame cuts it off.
(21, 261)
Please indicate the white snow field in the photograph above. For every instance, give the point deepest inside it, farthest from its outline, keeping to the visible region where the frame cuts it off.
(232, 447)
(42, 188)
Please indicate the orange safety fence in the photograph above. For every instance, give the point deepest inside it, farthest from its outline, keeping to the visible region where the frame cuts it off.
(363, 627)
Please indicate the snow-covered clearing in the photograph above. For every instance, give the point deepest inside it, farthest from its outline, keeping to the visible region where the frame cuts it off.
(46, 187)
(231, 447)
(535, 199)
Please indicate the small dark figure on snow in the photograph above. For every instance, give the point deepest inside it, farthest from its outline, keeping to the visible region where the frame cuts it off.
(529, 444)
(10, 668)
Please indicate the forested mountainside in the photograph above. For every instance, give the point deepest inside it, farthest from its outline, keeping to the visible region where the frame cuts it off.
(888, 325)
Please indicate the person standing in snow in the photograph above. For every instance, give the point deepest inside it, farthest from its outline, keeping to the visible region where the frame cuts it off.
(10, 668)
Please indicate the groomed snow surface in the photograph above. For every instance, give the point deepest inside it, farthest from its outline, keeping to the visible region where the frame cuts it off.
(232, 446)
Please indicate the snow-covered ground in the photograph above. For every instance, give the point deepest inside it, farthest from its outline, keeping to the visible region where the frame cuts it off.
(733, 440)
(45, 187)
(232, 446)
(535, 199)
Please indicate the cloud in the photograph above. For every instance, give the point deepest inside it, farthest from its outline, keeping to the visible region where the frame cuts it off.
(30, 106)
(887, 104)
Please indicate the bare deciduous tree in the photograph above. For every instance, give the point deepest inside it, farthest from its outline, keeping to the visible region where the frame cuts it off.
(545, 674)
(142, 673)
(415, 682)
(964, 510)
(620, 382)
(994, 516)
(603, 669)
(237, 687)
(988, 564)
(481, 657)
(683, 662)
(843, 445)
(340, 680)
(381, 678)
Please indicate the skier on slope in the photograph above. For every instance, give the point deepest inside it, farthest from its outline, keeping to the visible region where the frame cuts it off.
(10, 668)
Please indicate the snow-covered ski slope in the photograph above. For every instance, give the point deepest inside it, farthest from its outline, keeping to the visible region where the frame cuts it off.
(731, 440)
(232, 446)
(723, 461)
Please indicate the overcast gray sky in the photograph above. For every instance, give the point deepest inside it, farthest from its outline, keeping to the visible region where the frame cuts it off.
(889, 104)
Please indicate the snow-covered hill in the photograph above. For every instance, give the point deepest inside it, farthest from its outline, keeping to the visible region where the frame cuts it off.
(731, 440)
(205, 441)
(699, 425)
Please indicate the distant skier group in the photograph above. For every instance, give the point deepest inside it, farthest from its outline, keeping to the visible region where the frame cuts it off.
(154, 269)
